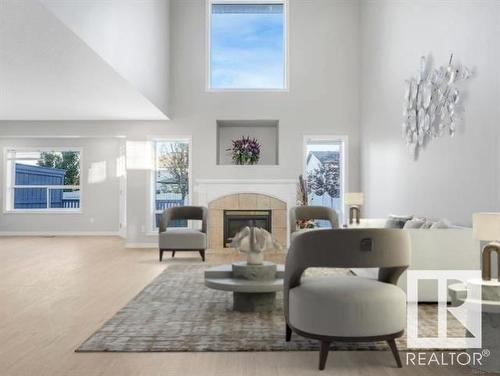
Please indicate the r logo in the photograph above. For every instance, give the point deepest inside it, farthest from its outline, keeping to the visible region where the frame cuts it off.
(468, 314)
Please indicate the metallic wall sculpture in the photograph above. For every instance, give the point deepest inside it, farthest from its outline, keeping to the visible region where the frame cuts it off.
(432, 103)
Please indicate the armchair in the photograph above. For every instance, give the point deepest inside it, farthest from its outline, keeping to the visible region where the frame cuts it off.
(347, 308)
(183, 239)
(299, 213)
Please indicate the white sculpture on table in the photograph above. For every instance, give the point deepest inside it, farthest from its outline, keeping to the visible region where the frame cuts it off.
(254, 241)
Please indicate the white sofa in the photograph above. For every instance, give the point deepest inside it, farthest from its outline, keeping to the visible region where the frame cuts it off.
(452, 248)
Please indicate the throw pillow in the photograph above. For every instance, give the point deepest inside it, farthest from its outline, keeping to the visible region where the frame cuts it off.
(397, 221)
(414, 223)
(443, 223)
(427, 224)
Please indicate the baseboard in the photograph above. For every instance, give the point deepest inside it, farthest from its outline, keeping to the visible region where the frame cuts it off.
(59, 233)
(141, 245)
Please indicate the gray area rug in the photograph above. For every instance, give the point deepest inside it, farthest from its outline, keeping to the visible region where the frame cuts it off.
(177, 313)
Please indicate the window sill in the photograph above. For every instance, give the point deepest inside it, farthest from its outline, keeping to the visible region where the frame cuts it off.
(234, 90)
(31, 211)
(157, 232)
(232, 165)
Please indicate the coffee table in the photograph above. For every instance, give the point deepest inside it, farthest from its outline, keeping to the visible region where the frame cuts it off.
(490, 313)
(254, 287)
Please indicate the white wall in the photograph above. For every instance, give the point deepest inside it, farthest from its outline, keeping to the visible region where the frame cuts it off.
(99, 183)
(47, 72)
(323, 96)
(323, 99)
(132, 36)
(331, 74)
(101, 141)
(453, 177)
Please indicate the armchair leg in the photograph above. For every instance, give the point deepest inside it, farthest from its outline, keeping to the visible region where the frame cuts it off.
(202, 254)
(173, 254)
(395, 352)
(161, 255)
(288, 333)
(323, 354)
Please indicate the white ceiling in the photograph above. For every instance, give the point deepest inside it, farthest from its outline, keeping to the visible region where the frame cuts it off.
(48, 73)
(131, 36)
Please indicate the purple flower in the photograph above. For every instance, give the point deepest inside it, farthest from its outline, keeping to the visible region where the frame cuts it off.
(245, 150)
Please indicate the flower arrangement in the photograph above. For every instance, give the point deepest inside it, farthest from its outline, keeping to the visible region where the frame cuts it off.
(303, 223)
(245, 151)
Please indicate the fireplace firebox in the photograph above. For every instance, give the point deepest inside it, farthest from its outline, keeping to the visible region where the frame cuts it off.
(235, 220)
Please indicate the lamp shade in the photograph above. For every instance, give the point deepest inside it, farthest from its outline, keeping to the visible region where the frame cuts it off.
(486, 226)
(354, 198)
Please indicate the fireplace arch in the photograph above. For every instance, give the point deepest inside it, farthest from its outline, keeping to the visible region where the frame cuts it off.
(250, 202)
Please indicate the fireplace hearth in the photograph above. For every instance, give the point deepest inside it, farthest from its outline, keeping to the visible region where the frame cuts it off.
(235, 220)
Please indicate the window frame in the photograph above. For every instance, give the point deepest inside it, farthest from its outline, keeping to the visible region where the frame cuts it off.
(151, 221)
(9, 177)
(344, 141)
(208, 47)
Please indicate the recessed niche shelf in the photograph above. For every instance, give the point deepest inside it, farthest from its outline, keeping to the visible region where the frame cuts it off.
(265, 131)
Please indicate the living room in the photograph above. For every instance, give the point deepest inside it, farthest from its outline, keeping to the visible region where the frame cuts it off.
(140, 139)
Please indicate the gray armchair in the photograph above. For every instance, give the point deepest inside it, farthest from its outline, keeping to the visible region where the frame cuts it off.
(347, 308)
(306, 213)
(183, 239)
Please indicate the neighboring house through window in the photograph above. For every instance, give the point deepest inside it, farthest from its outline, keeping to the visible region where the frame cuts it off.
(247, 45)
(325, 172)
(45, 179)
(172, 177)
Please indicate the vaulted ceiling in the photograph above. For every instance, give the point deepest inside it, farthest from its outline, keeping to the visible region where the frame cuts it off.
(76, 64)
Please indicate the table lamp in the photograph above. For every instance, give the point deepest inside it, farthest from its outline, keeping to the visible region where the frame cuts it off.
(486, 227)
(354, 200)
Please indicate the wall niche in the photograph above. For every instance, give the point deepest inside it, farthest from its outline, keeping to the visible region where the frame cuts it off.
(264, 131)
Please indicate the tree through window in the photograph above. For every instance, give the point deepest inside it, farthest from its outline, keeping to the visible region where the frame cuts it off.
(324, 173)
(172, 183)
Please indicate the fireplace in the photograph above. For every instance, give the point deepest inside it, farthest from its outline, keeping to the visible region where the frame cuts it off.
(235, 220)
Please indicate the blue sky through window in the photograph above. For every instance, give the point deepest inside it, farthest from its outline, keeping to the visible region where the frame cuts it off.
(247, 46)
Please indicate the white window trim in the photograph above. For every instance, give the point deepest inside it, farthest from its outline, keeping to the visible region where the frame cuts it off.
(208, 49)
(307, 139)
(150, 221)
(8, 188)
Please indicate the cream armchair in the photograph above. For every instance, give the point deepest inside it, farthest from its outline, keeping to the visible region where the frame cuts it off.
(305, 213)
(346, 308)
(183, 239)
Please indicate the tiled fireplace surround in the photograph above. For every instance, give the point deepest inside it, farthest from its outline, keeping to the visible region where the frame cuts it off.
(277, 195)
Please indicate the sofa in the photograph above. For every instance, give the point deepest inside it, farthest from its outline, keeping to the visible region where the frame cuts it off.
(452, 248)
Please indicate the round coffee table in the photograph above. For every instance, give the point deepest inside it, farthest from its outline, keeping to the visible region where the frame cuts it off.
(254, 287)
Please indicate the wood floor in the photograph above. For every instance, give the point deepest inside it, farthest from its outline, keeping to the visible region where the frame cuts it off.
(55, 292)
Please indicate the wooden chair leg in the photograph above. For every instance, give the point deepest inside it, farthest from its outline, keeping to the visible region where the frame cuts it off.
(395, 352)
(173, 254)
(323, 354)
(288, 333)
(161, 255)
(202, 254)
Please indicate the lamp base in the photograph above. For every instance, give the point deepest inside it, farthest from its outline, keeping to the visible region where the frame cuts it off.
(487, 255)
(354, 211)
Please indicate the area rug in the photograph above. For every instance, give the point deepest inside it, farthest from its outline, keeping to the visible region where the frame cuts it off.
(177, 313)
